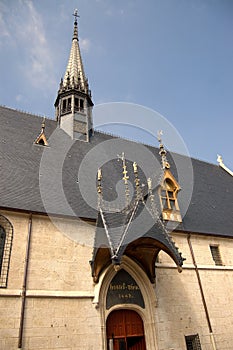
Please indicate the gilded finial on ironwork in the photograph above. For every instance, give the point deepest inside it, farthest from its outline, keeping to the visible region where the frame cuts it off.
(137, 181)
(99, 174)
(149, 184)
(125, 176)
(163, 152)
(99, 178)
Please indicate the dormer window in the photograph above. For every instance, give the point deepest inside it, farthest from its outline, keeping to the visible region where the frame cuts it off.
(41, 139)
(168, 196)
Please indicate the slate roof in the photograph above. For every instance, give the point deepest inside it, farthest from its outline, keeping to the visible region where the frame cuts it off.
(60, 179)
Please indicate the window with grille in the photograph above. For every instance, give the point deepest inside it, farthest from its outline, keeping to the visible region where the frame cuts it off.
(216, 254)
(6, 236)
(193, 342)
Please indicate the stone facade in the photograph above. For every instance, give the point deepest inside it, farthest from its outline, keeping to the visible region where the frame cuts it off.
(64, 309)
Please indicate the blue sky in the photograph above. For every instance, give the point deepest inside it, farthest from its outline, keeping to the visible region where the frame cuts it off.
(172, 56)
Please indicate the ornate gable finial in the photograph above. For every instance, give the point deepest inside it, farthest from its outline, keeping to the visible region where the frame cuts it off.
(163, 152)
(222, 165)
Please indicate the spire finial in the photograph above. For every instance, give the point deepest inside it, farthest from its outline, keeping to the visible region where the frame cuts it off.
(75, 14)
(43, 124)
(163, 152)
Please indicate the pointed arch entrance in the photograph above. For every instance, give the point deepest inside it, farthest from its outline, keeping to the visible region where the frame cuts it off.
(125, 330)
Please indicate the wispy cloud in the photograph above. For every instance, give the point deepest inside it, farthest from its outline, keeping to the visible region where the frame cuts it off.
(85, 44)
(4, 33)
(24, 26)
(39, 64)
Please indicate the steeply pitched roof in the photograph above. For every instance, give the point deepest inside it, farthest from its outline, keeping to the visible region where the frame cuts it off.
(60, 178)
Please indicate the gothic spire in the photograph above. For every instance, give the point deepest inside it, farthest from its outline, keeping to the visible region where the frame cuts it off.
(75, 76)
(73, 105)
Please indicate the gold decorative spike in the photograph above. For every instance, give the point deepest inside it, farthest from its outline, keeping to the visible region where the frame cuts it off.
(99, 174)
(149, 184)
(99, 188)
(125, 177)
(41, 139)
(137, 181)
(163, 152)
(43, 124)
(135, 168)
(99, 177)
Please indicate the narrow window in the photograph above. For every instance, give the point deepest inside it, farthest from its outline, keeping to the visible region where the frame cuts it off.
(6, 236)
(63, 106)
(193, 342)
(69, 105)
(81, 105)
(2, 245)
(76, 104)
(216, 254)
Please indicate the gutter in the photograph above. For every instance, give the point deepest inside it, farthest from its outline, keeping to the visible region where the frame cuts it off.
(24, 287)
(202, 293)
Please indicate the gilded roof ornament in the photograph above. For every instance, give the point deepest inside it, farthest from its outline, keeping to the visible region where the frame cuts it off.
(125, 177)
(223, 166)
(162, 152)
(137, 181)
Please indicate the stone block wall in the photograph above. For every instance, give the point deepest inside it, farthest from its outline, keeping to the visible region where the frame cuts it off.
(180, 310)
(60, 313)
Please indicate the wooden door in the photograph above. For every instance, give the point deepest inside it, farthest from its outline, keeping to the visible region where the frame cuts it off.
(125, 331)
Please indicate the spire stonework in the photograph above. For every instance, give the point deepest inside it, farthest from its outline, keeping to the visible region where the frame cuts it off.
(74, 104)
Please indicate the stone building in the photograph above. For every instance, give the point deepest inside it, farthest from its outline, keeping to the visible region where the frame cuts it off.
(89, 229)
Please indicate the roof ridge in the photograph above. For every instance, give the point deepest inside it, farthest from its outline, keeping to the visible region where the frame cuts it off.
(123, 137)
(155, 147)
(25, 112)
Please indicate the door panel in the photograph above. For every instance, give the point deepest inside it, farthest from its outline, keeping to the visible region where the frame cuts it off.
(126, 329)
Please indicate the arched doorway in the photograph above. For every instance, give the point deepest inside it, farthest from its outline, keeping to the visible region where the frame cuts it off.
(125, 331)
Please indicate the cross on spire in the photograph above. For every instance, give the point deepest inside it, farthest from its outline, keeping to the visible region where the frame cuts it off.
(75, 14)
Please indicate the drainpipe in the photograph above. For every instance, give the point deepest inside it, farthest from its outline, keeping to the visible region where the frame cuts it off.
(202, 293)
(24, 287)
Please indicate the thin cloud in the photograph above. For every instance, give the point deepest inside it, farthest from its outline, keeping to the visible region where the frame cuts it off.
(26, 29)
(39, 64)
(4, 33)
(85, 44)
